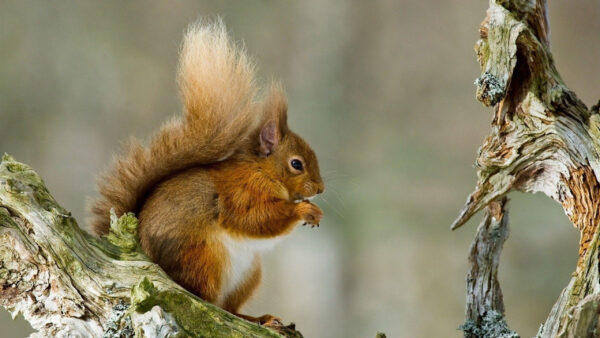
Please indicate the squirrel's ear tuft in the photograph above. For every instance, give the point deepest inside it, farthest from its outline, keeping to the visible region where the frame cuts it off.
(276, 106)
(275, 127)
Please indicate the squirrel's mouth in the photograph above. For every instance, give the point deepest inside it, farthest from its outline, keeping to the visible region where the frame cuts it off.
(309, 198)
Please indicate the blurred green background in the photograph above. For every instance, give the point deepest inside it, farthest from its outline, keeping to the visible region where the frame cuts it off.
(383, 91)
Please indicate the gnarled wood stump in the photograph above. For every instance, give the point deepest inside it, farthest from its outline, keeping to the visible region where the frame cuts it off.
(543, 139)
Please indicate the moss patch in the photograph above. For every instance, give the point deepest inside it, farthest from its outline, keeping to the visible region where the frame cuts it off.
(194, 317)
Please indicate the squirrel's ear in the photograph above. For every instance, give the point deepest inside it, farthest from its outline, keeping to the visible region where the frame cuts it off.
(269, 138)
(275, 127)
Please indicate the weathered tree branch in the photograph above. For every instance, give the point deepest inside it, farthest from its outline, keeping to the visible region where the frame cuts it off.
(485, 307)
(543, 139)
(68, 283)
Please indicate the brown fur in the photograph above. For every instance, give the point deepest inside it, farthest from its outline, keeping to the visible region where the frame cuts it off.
(224, 171)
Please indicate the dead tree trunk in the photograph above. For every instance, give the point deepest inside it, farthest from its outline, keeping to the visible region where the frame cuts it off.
(67, 283)
(543, 139)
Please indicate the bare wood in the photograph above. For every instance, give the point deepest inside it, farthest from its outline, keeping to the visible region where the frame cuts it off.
(543, 139)
(68, 283)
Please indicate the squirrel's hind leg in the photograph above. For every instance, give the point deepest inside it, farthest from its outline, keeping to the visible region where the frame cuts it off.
(235, 300)
(200, 270)
(266, 320)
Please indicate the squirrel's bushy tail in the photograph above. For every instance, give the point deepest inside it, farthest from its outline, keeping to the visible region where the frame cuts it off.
(218, 90)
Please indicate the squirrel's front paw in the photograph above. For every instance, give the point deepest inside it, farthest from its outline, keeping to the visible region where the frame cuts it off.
(310, 213)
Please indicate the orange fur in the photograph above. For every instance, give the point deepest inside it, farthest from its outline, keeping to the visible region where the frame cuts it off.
(210, 189)
(257, 205)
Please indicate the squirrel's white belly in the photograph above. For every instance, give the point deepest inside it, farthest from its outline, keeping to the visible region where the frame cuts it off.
(242, 255)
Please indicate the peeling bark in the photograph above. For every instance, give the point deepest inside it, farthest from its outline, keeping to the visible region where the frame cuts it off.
(582, 205)
(543, 139)
(67, 283)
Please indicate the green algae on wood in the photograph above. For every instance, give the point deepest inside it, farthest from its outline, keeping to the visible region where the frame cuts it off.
(195, 317)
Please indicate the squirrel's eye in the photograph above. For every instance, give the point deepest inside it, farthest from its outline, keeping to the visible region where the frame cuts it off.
(297, 164)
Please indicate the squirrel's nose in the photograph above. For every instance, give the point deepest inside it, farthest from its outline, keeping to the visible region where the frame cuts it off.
(320, 187)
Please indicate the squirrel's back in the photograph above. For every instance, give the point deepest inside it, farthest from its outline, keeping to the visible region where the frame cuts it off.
(218, 90)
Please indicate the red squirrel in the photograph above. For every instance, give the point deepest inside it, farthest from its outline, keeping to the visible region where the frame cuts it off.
(221, 184)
